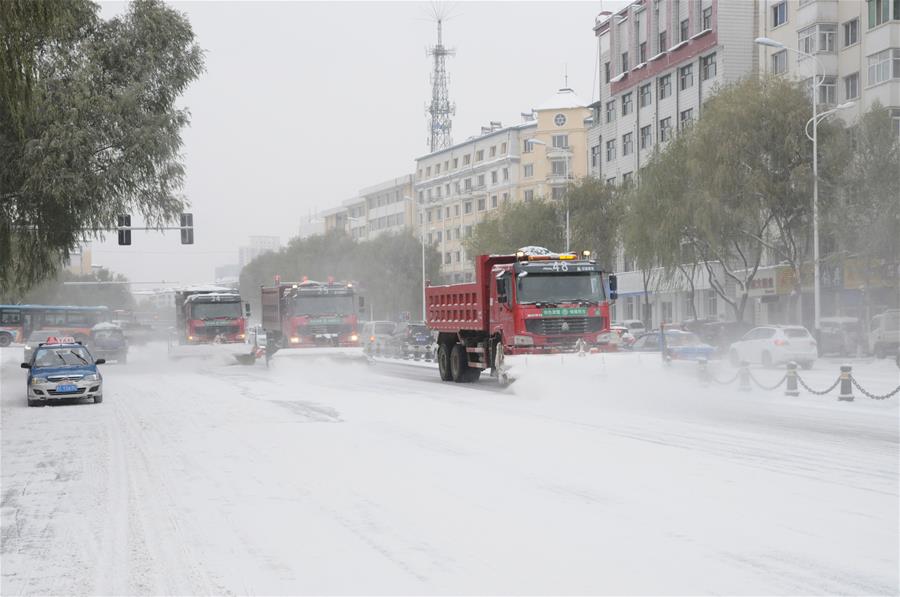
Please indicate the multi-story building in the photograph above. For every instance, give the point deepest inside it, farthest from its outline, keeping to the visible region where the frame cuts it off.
(553, 154)
(856, 47)
(80, 260)
(660, 60)
(258, 245)
(455, 187)
(389, 206)
(458, 186)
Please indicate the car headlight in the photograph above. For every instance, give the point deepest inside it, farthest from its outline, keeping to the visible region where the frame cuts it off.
(91, 377)
(38, 380)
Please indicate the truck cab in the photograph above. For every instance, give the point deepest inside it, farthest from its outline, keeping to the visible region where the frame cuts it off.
(312, 314)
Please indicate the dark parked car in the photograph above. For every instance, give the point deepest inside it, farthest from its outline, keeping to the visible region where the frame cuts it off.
(411, 340)
(108, 342)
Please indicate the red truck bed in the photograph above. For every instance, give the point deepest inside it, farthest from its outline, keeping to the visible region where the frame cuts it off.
(455, 307)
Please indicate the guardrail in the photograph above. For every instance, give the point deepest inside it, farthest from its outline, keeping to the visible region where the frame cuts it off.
(792, 381)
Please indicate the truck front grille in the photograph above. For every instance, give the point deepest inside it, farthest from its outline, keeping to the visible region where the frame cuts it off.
(555, 326)
(327, 328)
(211, 331)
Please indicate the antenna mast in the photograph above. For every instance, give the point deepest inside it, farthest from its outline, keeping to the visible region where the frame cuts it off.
(441, 108)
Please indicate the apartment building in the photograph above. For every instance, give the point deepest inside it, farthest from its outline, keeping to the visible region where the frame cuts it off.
(553, 154)
(660, 60)
(856, 45)
(456, 187)
(258, 245)
(389, 207)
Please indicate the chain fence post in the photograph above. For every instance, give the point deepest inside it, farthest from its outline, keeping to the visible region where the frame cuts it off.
(744, 377)
(791, 387)
(703, 373)
(846, 387)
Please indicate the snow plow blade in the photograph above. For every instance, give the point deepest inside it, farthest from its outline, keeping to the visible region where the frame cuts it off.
(244, 354)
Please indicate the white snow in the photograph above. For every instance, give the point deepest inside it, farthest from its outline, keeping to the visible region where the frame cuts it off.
(602, 474)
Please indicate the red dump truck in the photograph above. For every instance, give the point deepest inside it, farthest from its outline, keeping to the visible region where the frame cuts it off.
(209, 320)
(527, 303)
(312, 314)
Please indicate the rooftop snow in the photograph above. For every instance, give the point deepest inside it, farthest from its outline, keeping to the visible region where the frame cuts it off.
(561, 100)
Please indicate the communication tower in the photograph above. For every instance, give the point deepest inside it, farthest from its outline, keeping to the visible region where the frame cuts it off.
(441, 108)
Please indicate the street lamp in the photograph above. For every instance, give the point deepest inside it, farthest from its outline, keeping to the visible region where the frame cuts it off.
(816, 118)
(568, 153)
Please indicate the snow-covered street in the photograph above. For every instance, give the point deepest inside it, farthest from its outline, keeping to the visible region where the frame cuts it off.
(323, 477)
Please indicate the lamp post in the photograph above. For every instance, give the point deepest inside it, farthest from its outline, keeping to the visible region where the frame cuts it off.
(566, 176)
(816, 118)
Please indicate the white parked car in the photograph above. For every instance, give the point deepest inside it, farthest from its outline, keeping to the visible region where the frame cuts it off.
(635, 326)
(774, 345)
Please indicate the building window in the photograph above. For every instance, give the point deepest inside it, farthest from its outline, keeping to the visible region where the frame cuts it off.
(645, 95)
(505, 198)
(610, 150)
(437, 168)
(456, 187)
(528, 170)
(611, 180)
(557, 193)
(529, 195)
(595, 156)
(439, 235)
(707, 18)
(685, 30)
(627, 144)
(466, 159)
(447, 212)
(494, 177)
(481, 181)
(779, 62)
(492, 152)
(879, 12)
(467, 207)
(468, 184)
(686, 76)
(779, 13)
(851, 32)
(646, 137)
(447, 188)
(895, 119)
(624, 62)
(503, 148)
(428, 172)
(627, 178)
(506, 174)
(561, 141)
(447, 258)
(611, 111)
(456, 213)
(827, 90)
(851, 86)
(479, 155)
(880, 66)
(687, 117)
(826, 35)
(606, 72)
(662, 42)
(664, 86)
(642, 52)
(665, 129)
(712, 303)
(481, 204)
(493, 201)
(626, 104)
(708, 67)
(558, 167)
(455, 163)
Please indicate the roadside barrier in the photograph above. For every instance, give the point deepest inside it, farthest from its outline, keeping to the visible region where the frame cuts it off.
(791, 379)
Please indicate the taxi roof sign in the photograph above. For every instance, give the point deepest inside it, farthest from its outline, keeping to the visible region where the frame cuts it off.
(59, 340)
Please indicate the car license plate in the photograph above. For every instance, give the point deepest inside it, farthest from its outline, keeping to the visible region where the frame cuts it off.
(66, 387)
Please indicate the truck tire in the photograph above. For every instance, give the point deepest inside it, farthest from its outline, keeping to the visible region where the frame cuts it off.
(459, 366)
(443, 359)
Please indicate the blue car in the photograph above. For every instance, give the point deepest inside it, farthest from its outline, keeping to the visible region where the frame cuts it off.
(680, 345)
(63, 369)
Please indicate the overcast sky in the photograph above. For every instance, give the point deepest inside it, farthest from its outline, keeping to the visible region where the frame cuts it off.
(304, 103)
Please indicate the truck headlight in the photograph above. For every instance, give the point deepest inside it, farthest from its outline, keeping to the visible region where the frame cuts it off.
(241, 336)
(523, 340)
(295, 340)
(354, 337)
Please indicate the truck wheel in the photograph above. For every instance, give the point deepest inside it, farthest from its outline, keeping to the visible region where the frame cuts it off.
(459, 366)
(443, 358)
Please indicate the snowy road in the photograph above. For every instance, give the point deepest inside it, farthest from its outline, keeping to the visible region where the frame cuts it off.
(322, 477)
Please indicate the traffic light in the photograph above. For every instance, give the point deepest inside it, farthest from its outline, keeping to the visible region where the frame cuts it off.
(187, 229)
(124, 221)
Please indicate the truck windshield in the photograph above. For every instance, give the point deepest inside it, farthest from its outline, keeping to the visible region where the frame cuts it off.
(323, 305)
(559, 287)
(215, 310)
